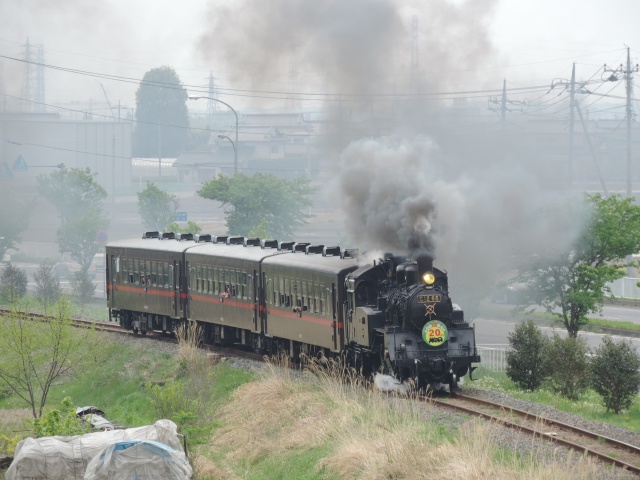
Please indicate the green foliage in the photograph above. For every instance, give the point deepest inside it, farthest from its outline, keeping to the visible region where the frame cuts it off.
(8, 444)
(74, 192)
(62, 422)
(191, 227)
(156, 207)
(15, 210)
(77, 237)
(36, 355)
(262, 201)
(186, 401)
(13, 284)
(524, 357)
(83, 288)
(47, 285)
(573, 283)
(615, 374)
(565, 362)
(161, 114)
(79, 201)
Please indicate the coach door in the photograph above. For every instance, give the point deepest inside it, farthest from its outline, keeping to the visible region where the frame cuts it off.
(263, 304)
(174, 286)
(334, 312)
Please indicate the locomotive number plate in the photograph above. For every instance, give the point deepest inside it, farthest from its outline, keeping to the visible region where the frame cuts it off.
(429, 298)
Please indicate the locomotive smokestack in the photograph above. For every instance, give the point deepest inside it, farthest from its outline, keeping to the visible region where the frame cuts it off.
(425, 264)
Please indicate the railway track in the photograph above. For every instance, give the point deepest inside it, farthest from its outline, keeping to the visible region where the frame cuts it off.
(609, 450)
(606, 449)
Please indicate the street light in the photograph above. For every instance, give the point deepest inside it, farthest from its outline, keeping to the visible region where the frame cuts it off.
(235, 154)
(235, 150)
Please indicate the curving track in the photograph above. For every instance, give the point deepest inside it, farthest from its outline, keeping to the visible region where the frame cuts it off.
(606, 449)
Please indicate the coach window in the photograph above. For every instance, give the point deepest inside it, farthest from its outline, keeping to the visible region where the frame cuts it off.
(216, 288)
(136, 271)
(243, 284)
(165, 275)
(153, 270)
(192, 278)
(198, 278)
(125, 270)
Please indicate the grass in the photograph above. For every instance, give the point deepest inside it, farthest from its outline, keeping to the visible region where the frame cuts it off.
(589, 406)
(318, 427)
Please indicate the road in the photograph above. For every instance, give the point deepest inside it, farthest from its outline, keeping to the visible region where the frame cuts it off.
(494, 329)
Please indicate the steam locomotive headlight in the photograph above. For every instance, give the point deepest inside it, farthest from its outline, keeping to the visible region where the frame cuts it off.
(428, 278)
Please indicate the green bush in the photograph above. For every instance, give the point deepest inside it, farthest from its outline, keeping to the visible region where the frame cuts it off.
(614, 374)
(565, 362)
(47, 284)
(13, 284)
(524, 357)
(63, 422)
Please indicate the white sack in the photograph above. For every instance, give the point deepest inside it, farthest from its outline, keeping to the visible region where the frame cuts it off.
(66, 458)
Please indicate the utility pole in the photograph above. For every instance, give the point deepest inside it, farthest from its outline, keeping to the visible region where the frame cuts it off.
(159, 150)
(572, 108)
(629, 110)
(629, 113)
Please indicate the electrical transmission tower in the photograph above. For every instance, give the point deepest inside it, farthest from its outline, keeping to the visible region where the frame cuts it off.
(33, 77)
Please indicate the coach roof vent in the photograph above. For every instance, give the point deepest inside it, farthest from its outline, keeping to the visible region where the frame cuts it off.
(235, 240)
(286, 245)
(251, 242)
(350, 253)
(151, 235)
(314, 249)
(330, 251)
(300, 247)
(219, 239)
(203, 238)
(269, 243)
(185, 236)
(168, 236)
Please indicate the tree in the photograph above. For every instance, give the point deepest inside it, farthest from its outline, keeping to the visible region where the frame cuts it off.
(83, 287)
(156, 207)
(13, 284)
(79, 201)
(73, 191)
(574, 283)
(162, 127)
(262, 201)
(565, 364)
(14, 218)
(47, 284)
(615, 374)
(524, 357)
(34, 355)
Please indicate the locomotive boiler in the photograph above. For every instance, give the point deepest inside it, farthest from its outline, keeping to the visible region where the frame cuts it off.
(402, 315)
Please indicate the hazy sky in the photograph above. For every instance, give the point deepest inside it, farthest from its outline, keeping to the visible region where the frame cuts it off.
(532, 42)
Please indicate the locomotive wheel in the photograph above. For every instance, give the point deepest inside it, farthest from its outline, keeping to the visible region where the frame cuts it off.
(453, 383)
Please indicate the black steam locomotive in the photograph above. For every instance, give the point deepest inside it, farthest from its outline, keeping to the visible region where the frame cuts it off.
(394, 316)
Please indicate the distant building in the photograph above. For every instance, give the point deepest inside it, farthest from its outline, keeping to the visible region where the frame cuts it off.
(34, 144)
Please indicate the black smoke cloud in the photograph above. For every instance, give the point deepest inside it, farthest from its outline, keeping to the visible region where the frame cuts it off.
(412, 175)
(357, 47)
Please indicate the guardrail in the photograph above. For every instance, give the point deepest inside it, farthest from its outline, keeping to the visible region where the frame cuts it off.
(493, 357)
